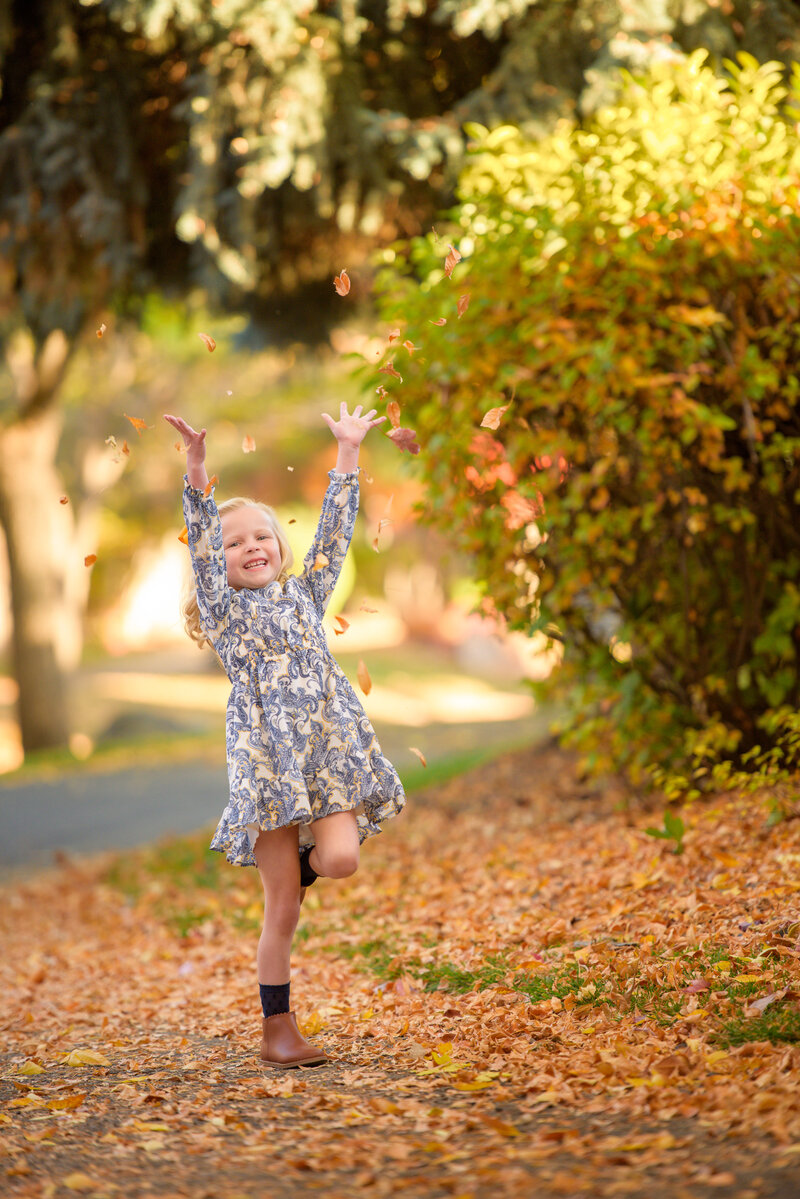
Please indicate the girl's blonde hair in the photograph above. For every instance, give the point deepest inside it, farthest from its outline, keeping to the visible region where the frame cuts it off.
(190, 610)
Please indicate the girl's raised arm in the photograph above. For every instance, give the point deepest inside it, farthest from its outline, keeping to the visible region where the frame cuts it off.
(195, 451)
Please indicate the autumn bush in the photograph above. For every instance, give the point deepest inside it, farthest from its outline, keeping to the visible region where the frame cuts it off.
(628, 301)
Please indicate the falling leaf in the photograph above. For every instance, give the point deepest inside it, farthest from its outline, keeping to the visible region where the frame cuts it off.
(441, 321)
(383, 522)
(342, 284)
(85, 1057)
(208, 342)
(321, 561)
(421, 757)
(492, 418)
(138, 424)
(90, 560)
(184, 536)
(381, 391)
(210, 485)
(343, 624)
(64, 499)
(290, 468)
(293, 521)
(364, 681)
(179, 446)
(393, 412)
(463, 304)
(366, 608)
(102, 329)
(389, 369)
(450, 261)
(404, 439)
(409, 345)
(248, 444)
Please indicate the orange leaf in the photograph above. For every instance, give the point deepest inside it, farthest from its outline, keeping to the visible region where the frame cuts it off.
(393, 336)
(366, 608)
(450, 261)
(493, 417)
(248, 444)
(321, 561)
(208, 342)
(404, 439)
(463, 304)
(381, 391)
(68, 1101)
(102, 329)
(389, 369)
(126, 449)
(342, 284)
(90, 560)
(364, 681)
(393, 412)
(441, 321)
(64, 499)
(409, 345)
(343, 624)
(184, 536)
(137, 423)
(419, 754)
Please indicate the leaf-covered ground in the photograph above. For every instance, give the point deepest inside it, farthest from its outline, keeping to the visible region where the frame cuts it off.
(523, 992)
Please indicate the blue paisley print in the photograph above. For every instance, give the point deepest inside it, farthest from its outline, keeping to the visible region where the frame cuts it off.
(299, 743)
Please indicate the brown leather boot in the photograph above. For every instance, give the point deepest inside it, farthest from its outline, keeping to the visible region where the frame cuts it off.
(283, 1045)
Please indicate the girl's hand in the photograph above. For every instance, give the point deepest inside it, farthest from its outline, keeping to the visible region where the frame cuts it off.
(351, 430)
(195, 450)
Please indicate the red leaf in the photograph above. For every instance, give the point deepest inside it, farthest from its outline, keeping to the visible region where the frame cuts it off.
(208, 342)
(342, 284)
(450, 261)
(463, 304)
(404, 439)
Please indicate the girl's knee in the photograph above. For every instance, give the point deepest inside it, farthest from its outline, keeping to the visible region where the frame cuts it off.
(282, 914)
(339, 861)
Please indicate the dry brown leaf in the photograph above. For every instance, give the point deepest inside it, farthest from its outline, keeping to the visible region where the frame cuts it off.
(342, 284)
(453, 257)
(463, 304)
(393, 412)
(321, 561)
(208, 342)
(90, 560)
(441, 321)
(364, 681)
(64, 499)
(404, 439)
(409, 345)
(393, 336)
(248, 444)
(138, 424)
(419, 754)
(390, 369)
(492, 418)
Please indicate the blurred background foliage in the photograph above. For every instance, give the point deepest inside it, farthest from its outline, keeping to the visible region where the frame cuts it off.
(171, 165)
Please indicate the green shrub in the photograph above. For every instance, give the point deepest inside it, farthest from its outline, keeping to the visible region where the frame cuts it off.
(634, 301)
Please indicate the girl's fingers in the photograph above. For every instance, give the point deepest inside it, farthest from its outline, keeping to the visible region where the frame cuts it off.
(369, 415)
(329, 421)
(357, 411)
(342, 409)
(379, 421)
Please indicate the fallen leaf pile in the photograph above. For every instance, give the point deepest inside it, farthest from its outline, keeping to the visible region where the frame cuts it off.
(523, 993)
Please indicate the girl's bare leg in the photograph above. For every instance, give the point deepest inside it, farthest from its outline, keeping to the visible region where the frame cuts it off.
(276, 855)
(336, 849)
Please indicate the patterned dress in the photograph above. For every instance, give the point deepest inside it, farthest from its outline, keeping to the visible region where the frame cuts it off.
(299, 743)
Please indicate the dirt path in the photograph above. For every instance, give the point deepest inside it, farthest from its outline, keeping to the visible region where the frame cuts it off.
(511, 991)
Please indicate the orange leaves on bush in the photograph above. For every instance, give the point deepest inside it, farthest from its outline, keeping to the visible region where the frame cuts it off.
(390, 369)
(321, 561)
(138, 424)
(364, 681)
(453, 257)
(208, 342)
(342, 284)
(90, 560)
(463, 304)
(343, 625)
(404, 439)
(248, 444)
(492, 418)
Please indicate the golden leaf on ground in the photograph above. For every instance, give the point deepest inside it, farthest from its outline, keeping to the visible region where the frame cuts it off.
(419, 754)
(450, 261)
(30, 1068)
(208, 342)
(80, 1182)
(66, 1103)
(321, 561)
(342, 284)
(210, 485)
(85, 1057)
(492, 418)
(343, 624)
(102, 329)
(138, 424)
(248, 444)
(90, 560)
(463, 304)
(364, 681)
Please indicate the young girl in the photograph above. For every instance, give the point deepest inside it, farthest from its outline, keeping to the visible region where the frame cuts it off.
(308, 781)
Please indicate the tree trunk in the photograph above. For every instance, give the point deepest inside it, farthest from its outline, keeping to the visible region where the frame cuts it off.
(39, 540)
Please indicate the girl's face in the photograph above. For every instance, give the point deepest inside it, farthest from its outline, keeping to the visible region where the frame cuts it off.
(252, 552)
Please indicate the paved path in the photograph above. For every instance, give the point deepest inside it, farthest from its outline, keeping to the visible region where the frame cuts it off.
(87, 812)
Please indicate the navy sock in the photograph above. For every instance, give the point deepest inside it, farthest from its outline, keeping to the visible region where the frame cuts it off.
(274, 1000)
(308, 874)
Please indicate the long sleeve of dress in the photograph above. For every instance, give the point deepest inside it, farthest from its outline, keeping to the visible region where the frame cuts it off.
(208, 559)
(332, 538)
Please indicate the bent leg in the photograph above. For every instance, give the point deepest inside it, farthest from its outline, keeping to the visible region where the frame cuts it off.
(335, 854)
(276, 854)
